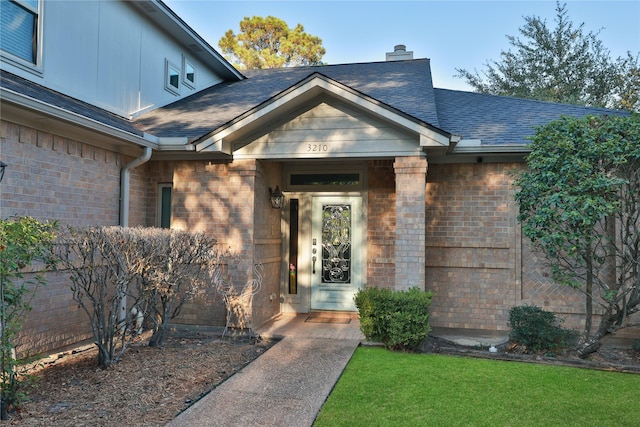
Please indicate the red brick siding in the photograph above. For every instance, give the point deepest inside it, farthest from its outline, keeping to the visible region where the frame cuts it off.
(230, 201)
(53, 178)
(381, 226)
(471, 245)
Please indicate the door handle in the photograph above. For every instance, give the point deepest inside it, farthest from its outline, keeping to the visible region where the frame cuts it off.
(313, 269)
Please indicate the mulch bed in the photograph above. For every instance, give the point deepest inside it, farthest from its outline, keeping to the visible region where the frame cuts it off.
(147, 387)
(606, 358)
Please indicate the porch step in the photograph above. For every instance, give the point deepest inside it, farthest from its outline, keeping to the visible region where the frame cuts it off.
(334, 314)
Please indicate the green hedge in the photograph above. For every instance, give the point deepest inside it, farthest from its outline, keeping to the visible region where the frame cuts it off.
(398, 319)
(537, 329)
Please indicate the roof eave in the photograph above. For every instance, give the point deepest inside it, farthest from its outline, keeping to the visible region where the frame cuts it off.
(16, 104)
(159, 13)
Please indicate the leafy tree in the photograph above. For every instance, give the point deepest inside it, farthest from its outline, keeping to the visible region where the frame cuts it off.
(270, 43)
(562, 64)
(628, 83)
(580, 205)
(23, 242)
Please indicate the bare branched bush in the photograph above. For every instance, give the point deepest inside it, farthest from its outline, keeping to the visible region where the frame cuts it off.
(180, 266)
(122, 276)
(102, 263)
(237, 296)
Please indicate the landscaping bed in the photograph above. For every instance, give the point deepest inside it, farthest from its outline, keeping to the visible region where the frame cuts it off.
(608, 358)
(148, 387)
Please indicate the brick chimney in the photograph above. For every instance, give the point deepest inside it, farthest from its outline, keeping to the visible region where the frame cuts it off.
(399, 53)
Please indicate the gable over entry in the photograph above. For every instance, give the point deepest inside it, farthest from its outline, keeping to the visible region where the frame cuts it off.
(358, 125)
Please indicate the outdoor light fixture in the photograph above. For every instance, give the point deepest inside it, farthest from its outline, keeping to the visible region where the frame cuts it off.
(277, 198)
(2, 166)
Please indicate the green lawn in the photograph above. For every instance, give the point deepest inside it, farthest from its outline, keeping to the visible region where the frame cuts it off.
(384, 388)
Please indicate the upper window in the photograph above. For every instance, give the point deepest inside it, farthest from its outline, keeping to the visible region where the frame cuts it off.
(19, 32)
(188, 73)
(172, 77)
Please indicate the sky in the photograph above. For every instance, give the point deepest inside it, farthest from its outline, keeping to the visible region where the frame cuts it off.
(454, 34)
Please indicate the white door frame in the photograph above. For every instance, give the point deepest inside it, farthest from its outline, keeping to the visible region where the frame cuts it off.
(301, 302)
(325, 293)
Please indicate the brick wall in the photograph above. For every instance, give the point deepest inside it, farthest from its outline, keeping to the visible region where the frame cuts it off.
(50, 177)
(471, 240)
(268, 242)
(226, 200)
(381, 227)
(410, 222)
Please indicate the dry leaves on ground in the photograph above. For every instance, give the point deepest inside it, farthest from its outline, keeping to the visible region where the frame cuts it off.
(148, 387)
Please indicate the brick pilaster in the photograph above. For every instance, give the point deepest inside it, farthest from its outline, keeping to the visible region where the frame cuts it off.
(411, 176)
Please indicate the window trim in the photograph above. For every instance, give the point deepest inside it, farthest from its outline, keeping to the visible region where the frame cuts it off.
(22, 63)
(168, 66)
(185, 80)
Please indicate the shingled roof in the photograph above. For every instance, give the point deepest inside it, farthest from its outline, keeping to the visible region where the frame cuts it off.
(404, 85)
(9, 81)
(501, 120)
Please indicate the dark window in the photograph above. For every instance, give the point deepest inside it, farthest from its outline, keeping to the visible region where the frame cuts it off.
(190, 73)
(165, 207)
(343, 179)
(172, 78)
(293, 246)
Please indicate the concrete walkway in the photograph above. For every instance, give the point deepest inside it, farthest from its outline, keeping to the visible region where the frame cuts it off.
(288, 384)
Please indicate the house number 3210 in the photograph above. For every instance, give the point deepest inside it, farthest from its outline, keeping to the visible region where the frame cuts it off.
(317, 148)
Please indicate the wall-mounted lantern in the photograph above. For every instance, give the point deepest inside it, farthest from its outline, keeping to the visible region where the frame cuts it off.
(3, 165)
(277, 198)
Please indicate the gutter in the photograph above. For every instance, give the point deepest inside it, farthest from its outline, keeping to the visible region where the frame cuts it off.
(125, 175)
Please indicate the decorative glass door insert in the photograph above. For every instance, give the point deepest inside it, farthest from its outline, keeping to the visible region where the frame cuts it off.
(337, 251)
(336, 243)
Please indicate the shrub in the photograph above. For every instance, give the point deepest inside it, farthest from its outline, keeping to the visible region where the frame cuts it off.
(537, 329)
(119, 276)
(25, 245)
(398, 319)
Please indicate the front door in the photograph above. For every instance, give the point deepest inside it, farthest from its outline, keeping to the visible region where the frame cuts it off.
(336, 248)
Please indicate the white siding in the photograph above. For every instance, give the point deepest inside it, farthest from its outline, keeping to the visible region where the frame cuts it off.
(328, 131)
(106, 53)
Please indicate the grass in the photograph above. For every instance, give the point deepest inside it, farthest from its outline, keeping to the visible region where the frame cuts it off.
(384, 388)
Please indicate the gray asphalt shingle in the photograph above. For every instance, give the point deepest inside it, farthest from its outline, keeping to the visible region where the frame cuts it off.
(501, 120)
(27, 88)
(403, 85)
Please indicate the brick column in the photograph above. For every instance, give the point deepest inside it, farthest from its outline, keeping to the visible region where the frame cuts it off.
(411, 178)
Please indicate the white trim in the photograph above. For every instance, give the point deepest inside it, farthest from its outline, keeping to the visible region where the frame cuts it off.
(168, 67)
(37, 67)
(185, 81)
